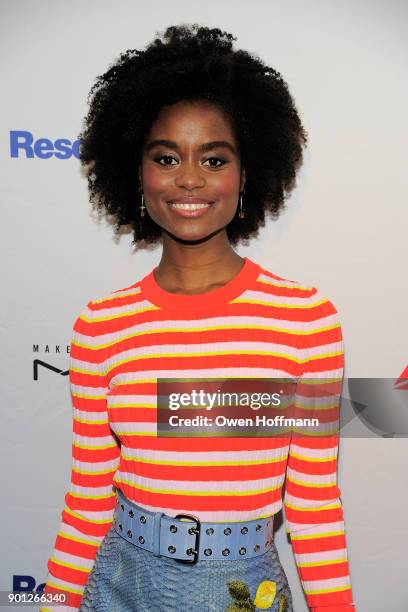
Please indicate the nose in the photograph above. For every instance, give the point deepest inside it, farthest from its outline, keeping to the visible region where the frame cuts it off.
(189, 176)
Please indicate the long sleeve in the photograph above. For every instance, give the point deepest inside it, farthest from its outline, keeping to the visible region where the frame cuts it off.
(312, 505)
(89, 504)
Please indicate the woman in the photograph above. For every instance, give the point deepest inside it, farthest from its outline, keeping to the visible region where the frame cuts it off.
(191, 142)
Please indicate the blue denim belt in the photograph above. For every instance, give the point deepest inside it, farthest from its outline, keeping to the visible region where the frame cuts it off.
(177, 538)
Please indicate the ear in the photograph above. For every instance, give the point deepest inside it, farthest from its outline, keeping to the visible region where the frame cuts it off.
(243, 180)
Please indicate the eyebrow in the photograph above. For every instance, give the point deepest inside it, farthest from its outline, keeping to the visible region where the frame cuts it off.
(207, 146)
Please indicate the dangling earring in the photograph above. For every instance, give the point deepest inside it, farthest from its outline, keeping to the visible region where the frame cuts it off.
(142, 207)
(241, 213)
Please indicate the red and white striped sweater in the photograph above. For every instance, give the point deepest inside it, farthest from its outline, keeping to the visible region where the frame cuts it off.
(258, 325)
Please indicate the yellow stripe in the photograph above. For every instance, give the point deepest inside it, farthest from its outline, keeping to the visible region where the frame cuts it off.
(87, 422)
(324, 356)
(89, 397)
(70, 565)
(199, 493)
(313, 459)
(286, 286)
(184, 330)
(119, 294)
(244, 300)
(320, 563)
(315, 434)
(203, 463)
(135, 405)
(229, 352)
(80, 496)
(212, 354)
(138, 433)
(311, 484)
(321, 380)
(327, 507)
(65, 588)
(140, 381)
(328, 534)
(68, 536)
(111, 317)
(330, 590)
(87, 520)
(89, 473)
(103, 447)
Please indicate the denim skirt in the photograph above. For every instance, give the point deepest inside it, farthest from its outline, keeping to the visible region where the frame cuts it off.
(126, 578)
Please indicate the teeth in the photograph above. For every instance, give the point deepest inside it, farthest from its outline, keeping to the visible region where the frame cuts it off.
(190, 206)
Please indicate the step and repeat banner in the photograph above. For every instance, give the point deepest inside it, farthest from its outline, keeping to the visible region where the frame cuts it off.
(343, 231)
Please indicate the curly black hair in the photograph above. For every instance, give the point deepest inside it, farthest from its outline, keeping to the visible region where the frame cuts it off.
(190, 62)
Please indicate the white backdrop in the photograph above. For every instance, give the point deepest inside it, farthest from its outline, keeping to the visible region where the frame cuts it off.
(344, 232)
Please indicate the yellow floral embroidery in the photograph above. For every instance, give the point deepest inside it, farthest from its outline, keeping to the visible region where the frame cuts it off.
(265, 594)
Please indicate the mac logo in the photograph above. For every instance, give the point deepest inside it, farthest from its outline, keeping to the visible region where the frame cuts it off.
(43, 364)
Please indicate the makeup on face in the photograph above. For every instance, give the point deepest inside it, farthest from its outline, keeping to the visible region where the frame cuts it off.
(191, 171)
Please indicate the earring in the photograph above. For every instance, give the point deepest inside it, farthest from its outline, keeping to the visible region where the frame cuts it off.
(241, 213)
(142, 207)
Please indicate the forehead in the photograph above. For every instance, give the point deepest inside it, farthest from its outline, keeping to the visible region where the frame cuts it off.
(192, 120)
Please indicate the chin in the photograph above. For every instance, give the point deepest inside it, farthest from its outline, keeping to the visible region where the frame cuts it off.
(189, 236)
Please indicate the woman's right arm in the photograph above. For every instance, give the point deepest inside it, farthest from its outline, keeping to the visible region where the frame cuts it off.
(89, 504)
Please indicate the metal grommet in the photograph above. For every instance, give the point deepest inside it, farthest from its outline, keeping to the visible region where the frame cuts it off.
(266, 543)
(209, 531)
(141, 539)
(193, 531)
(142, 519)
(226, 552)
(122, 506)
(171, 549)
(256, 547)
(207, 552)
(131, 513)
(120, 527)
(227, 531)
(129, 533)
(173, 528)
(258, 527)
(244, 530)
(242, 551)
(190, 551)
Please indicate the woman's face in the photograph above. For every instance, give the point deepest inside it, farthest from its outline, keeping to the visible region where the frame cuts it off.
(191, 171)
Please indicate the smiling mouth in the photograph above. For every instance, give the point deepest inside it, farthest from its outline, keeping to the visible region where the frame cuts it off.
(190, 206)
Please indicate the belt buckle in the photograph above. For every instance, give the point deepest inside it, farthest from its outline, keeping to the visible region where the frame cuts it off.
(196, 531)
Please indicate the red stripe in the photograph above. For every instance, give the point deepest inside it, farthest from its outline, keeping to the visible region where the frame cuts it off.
(319, 544)
(324, 572)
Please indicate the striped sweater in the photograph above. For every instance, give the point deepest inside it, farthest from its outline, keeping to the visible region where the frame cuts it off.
(258, 325)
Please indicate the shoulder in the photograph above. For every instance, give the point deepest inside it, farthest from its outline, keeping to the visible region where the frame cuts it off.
(107, 306)
(295, 293)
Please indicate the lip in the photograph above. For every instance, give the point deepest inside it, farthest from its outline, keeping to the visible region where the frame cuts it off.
(190, 200)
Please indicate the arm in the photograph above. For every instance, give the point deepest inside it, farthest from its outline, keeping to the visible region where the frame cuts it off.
(89, 504)
(312, 505)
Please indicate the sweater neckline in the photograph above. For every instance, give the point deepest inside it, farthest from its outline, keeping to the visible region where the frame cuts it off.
(151, 290)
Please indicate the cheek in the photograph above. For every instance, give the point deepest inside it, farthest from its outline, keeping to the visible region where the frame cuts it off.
(227, 185)
(154, 181)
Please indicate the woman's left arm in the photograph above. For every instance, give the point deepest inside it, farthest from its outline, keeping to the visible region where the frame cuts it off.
(312, 505)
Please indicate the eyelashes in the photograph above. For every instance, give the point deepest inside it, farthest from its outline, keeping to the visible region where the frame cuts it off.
(220, 161)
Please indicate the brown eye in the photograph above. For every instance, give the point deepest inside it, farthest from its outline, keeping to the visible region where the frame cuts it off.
(166, 158)
(218, 162)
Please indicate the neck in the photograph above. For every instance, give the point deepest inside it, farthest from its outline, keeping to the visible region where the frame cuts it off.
(197, 267)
